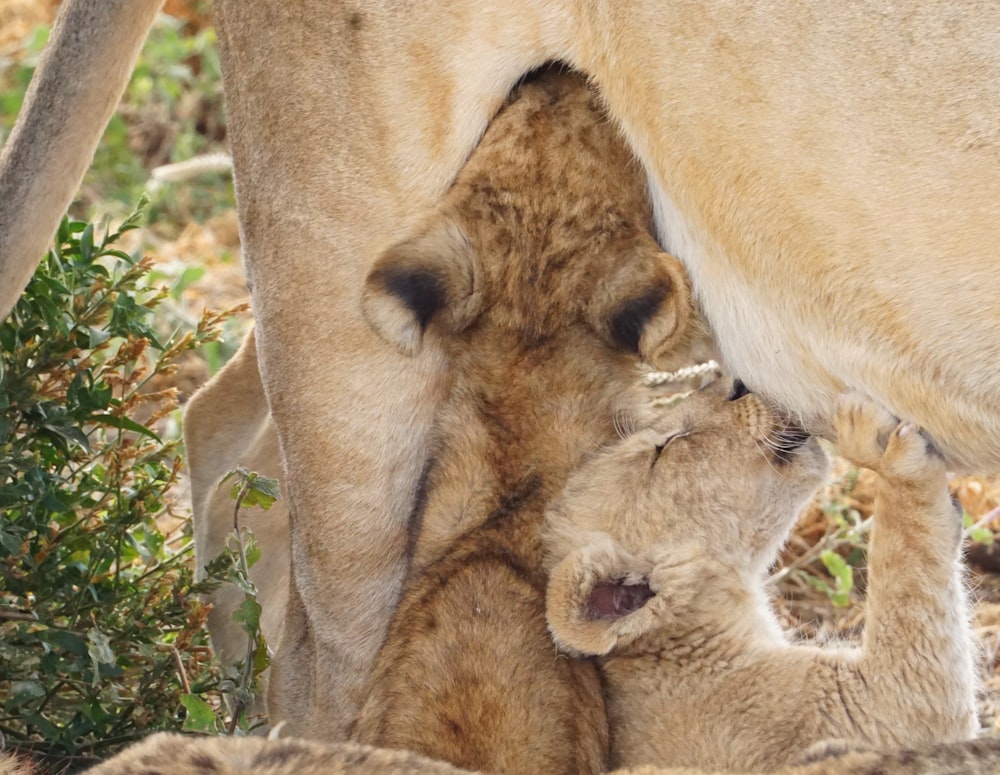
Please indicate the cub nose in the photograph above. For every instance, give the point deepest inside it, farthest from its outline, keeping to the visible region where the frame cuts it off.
(739, 390)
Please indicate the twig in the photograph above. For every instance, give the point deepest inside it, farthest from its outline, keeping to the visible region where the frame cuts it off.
(828, 541)
(983, 521)
(656, 378)
(239, 705)
(180, 669)
(10, 615)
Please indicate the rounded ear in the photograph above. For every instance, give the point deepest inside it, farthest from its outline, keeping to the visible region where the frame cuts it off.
(431, 276)
(596, 599)
(645, 307)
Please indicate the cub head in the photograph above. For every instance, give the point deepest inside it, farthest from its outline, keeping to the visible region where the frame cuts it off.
(537, 279)
(546, 226)
(633, 296)
(650, 531)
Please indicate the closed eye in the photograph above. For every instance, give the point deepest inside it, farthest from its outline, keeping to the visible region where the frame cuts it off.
(658, 449)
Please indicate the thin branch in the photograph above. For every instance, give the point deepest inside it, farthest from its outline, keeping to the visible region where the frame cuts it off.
(988, 517)
(181, 672)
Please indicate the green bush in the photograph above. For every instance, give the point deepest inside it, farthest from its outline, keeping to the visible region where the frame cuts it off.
(101, 632)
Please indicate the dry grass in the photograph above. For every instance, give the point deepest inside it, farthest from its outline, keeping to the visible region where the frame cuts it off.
(811, 613)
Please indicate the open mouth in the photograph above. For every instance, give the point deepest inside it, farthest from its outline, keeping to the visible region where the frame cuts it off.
(786, 440)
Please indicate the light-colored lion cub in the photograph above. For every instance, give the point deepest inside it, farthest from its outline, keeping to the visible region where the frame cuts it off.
(659, 549)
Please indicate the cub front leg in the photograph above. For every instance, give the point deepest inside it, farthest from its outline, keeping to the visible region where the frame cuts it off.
(917, 662)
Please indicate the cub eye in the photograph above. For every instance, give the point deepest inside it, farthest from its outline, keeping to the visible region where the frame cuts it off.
(739, 390)
(658, 449)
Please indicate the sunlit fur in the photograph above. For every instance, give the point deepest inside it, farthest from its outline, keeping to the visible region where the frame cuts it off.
(188, 755)
(826, 171)
(538, 279)
(659, 549)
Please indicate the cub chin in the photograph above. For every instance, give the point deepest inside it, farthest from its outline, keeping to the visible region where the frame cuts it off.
(658, 551)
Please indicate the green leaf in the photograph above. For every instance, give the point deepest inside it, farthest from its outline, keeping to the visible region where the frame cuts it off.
(85, 394)
(122, 423)
(843, 575)
(980, 535)
(190, 275)
(260, 490)
(87, 244)
(250, 547)
(68, 433)
(65, 640)
(200, 716)
(248, 615)
(255, 497)
(134, 220)
(22, 692)
(127, 320)
(261, 658)
(10, 542)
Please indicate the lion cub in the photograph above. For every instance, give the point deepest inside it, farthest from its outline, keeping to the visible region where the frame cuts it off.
(539, 282)
(659, 549)
(185, 755)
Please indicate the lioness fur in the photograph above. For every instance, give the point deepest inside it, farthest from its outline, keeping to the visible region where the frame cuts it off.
(538, 277)
(826, 171)
(660, 547)
(226, 424)
(179, 755)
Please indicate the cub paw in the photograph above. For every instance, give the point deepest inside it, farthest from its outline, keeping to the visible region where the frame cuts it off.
(871, 436)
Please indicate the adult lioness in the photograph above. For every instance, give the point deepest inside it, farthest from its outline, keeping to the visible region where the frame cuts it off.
(539, 281)
(827, 171)
(659, 549)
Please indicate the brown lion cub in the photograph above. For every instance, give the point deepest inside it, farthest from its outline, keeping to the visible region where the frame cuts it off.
(659, 549)
(539, 281)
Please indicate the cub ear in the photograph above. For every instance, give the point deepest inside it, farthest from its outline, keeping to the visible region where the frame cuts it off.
(431, 276)
(597, 598)
(645, 307)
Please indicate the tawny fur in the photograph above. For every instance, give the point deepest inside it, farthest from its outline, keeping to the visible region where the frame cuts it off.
(538, 279)
(826, 171)
(12, 765)
(659, 549)
(162, 754)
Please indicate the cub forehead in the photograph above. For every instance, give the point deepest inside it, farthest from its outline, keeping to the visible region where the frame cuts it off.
(624, 470)
(609, 485)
